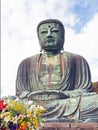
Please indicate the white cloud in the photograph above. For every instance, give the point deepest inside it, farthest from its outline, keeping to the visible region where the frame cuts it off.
(86, 41)
(85, 44)
(19, 38)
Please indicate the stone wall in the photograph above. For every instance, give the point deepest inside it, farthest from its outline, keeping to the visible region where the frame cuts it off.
(69, 126)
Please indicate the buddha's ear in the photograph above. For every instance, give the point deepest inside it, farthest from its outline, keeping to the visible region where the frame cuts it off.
(62, 48)
(41, 50)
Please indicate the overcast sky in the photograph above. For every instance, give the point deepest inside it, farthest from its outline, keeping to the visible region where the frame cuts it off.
(19, 19)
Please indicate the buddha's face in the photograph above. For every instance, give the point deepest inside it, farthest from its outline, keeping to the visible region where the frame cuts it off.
(51, 36)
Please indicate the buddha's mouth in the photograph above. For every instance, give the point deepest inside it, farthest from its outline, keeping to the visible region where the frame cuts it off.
(50, 40)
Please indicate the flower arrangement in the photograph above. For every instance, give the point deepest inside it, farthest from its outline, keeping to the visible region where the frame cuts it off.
(20, 115)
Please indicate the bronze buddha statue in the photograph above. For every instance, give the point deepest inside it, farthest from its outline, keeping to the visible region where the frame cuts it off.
(56, 79)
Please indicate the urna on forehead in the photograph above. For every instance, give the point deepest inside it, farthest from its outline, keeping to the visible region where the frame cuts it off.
(56, 21)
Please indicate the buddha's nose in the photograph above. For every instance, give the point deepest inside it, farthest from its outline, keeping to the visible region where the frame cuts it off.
(49, 34)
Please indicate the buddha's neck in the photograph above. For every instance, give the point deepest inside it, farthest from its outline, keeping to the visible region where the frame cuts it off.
(52, 53)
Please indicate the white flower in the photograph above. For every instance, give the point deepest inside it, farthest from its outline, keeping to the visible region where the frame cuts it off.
(32, 107)
(30, 102)
(17, 99)
(41, 107)
(7, 118)
(14, 119)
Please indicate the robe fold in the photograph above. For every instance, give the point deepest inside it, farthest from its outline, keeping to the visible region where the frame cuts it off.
(75, 80)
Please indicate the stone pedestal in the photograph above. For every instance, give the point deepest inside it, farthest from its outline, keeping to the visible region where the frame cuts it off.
(69, 126)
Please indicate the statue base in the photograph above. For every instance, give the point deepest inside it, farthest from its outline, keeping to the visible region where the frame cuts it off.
(69, 126)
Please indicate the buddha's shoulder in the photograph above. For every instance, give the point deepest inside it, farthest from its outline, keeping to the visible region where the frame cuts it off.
(72, 55)
(27, 60)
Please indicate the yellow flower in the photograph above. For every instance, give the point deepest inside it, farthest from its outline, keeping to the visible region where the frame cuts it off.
(17, 106)
(39, 111)
(35, 122)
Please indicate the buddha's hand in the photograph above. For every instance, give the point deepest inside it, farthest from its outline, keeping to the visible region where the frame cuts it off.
(47, 94)
(58, 93)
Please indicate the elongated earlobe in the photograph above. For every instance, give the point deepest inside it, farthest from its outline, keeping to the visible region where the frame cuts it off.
(41, 50)
(62, 49)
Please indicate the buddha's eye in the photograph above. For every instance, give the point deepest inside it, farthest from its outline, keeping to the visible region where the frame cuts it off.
(44, 31)
(55, 30)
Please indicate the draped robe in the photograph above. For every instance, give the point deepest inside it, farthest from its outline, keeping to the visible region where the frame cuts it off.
(75, 80)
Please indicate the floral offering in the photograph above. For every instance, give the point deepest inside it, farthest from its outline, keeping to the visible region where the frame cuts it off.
(20, 115)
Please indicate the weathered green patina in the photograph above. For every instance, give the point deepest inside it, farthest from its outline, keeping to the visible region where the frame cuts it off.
(58, 80)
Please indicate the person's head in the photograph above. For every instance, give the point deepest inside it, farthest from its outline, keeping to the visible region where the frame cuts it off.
(51, 34)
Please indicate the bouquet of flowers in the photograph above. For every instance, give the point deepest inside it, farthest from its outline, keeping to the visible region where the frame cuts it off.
(20, 115)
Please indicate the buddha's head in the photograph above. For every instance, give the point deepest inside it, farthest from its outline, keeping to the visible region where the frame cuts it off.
(51, 35)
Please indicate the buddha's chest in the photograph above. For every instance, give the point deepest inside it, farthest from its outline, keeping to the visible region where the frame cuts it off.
(50, 70)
